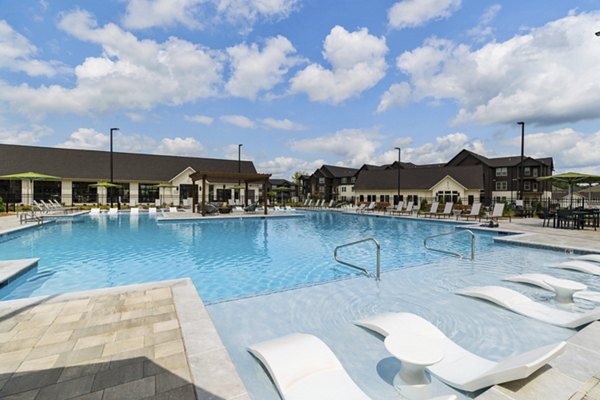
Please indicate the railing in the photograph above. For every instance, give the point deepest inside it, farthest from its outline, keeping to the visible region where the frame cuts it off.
(365, 271)
(452, 252)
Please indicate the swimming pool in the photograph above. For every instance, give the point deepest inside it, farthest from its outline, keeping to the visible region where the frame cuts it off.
(226, 259)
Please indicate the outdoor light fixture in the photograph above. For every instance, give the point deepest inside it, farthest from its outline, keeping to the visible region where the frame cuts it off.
(598, 33)
(240, 170)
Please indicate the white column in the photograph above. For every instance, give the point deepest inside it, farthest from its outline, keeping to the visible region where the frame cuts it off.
(66, 192)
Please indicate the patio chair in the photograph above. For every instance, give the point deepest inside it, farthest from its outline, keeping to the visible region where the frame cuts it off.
(134, 210)
(447, 213)
(151, 210)
(391, 209)
(303, 367)
(361, 207)
(459, 367)
(521, 304)
(113, 211)
(95, 211)
(408, 210)
(497, 214)
(251, 208)
(370, 207)
(474, 213)
(173, 209)
(432, 210)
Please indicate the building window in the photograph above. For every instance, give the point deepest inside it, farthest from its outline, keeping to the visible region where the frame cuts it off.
(353, 179)
(344, 180)
(343, 188)
(527, 171)
(148, 193)
(534, 187)
(527, 186)
(84, 193)
(501, 185)
(535, 172)
(502, 171)
(321, 181)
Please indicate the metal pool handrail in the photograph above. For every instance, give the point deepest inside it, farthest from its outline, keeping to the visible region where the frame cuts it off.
(451, 252)
(365, 271)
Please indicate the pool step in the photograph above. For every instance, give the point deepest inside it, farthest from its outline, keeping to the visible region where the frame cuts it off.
(574, 374)
(11, 269)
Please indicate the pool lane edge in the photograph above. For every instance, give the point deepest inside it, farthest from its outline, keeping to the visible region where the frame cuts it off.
(12, 269)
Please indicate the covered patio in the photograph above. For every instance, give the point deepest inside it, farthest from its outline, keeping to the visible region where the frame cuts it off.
(246, 178)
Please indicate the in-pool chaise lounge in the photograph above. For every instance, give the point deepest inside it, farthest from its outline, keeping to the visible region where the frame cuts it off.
(521, 304)
(447, 210)
(303, 367)
(588, 267)
(543, 280)
(588, 257)
(497, 213)
(432, 210)
(459, 367)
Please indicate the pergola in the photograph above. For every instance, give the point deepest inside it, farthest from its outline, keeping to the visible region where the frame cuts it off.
(234, 176)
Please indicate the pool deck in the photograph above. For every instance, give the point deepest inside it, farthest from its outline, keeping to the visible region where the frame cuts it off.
(150, 341)
(157, 340)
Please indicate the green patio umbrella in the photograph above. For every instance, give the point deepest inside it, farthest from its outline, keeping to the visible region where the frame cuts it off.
(163, 186)
(30, 176)
(571, 179)
(107, 185)
(281, 189)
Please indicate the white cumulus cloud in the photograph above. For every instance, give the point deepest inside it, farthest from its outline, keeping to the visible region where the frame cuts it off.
(131, 73)
(180, 147)
(284, 167)
(357, 63)
(238, 120)
(354, 147)
(141, 14)
(23, 136)
(17, 53)
(282, 124)
(545, 76)
(200, 119)
(413, 13)
(398, 94)
(254, 70)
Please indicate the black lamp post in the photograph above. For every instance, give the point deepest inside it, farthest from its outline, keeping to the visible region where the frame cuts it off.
(240, 170)
(399, 156)
(111, 163)
(521, 180)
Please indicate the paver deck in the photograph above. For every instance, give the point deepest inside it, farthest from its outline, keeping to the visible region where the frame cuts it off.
(150, 341)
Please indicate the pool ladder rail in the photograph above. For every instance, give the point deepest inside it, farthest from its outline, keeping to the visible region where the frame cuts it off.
(452, 252)
(363, 270)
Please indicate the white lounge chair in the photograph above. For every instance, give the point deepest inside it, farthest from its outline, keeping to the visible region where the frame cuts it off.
(581, 266)
(474, 213)
(408, 210)
(173, 209)
(588, 257)
(151, 210)
(496, 213)
(543, 280)
(95, 211)
(391, 209)
(521, 304)
(432, 209)
(459, 367)
(370, 207)
(134, 211)
(303, 367)
(113, 211)
(447, 210)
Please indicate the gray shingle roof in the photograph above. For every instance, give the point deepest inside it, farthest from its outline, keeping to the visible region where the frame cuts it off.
(332, 171)
(95, 165)
(470, 177)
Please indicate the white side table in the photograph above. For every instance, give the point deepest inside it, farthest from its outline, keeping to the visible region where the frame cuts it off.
(564, 289)
(415, 355)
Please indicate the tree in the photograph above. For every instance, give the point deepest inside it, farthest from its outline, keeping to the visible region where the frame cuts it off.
(298, 176)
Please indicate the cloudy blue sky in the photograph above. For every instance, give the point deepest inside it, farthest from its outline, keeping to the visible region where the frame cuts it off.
(304, 82)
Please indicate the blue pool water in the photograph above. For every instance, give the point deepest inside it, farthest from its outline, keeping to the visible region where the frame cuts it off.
(226, 259)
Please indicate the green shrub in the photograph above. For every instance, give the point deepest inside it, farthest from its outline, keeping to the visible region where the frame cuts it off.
(423, 206)
(2, 205)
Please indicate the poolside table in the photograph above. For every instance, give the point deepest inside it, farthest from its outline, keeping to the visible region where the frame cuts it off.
(415, 355)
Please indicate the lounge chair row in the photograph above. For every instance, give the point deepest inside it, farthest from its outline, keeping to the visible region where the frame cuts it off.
(565, 293)
(304, 367)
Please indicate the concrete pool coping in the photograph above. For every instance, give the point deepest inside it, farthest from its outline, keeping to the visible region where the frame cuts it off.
(11, 269)
(185, 216)
(213, 374)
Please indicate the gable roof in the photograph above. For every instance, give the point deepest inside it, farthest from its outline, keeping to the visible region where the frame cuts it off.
(471, 177)
(94, 165)
(511, 161)
(333, 171)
